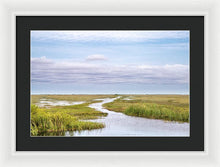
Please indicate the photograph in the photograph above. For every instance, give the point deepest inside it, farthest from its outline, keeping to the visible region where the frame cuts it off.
(110, 83)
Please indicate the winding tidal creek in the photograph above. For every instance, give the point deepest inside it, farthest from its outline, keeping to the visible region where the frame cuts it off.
(119, 124)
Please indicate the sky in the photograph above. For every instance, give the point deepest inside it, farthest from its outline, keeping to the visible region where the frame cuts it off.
(110, 62)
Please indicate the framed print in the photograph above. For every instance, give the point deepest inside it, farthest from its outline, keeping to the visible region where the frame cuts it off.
(10, 10)
(110, 83)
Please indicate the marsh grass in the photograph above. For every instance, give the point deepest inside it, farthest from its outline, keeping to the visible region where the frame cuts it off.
(63, 118)
(55, 120)
(166, 107)
(80, 111)
(156, 111)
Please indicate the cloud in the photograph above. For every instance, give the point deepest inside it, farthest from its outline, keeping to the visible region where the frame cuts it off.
(44, 70)
(104, 36)
(95, 57)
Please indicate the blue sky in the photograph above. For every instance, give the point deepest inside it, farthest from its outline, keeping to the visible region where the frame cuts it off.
(109, 62)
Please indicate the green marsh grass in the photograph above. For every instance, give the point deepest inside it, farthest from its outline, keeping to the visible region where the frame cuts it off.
(166, 107)
(63, 118)
(58, 119)
(156, 111)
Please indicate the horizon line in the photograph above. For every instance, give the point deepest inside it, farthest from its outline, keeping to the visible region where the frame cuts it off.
(111, 94)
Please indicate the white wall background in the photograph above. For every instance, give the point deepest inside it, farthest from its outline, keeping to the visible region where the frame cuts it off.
(209, 8)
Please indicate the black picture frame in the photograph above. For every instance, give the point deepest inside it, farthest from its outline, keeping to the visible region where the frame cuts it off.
(195, 24)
